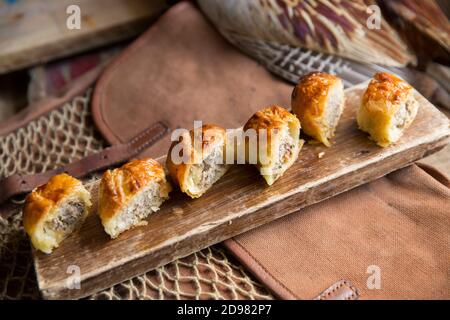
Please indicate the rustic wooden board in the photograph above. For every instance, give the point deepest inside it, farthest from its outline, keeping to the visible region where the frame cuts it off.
(239, 202)
(34, 31)
(440, 160)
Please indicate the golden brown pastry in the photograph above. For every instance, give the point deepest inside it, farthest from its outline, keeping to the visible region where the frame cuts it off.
(202, 162)
(53, 211)
(128, 194)
(387, 108)
(318, 101)
(278, 142)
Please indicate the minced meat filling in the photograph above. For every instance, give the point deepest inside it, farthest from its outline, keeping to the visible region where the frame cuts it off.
(206, 173)
(285, 151)
(68, 217)
(403, 114)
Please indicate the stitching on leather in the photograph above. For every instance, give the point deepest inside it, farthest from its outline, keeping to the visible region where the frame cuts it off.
(264, 269)
(154, 139)
(327, 293)
(151, 140)
(330, 290)
(99, 165)
(146, 132)
(355, 292)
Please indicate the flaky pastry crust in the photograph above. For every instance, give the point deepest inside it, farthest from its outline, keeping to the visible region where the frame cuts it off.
(273, 119)
(42, 203)
(211, 136)
(118, 186)
(384, 96)
(309, 101)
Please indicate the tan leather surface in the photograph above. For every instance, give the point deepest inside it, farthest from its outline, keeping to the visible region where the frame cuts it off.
(179, 71)
(399, 223)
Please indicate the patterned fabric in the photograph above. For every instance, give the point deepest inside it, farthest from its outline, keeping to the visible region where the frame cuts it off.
(66, 134)
(338, 27)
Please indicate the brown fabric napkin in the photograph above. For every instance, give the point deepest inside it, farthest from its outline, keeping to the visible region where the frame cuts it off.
(398, 225)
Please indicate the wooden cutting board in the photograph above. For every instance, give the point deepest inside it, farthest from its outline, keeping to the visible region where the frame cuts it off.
(35, 31)
(239, 202)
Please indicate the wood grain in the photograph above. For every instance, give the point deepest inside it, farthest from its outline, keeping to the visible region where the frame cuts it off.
(34, 31)
(440, 160)
(239, 202)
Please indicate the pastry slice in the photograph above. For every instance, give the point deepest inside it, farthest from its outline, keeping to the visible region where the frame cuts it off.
(197, 160)
(55, 210)
(127, 195)
(277, 134)
(318, 101)
(388, 107)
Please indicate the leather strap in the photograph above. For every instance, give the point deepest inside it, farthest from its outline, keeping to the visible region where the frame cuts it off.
(341, 290)
(18, 184)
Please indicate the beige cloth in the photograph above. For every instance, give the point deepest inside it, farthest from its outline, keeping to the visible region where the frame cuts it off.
(399, 223)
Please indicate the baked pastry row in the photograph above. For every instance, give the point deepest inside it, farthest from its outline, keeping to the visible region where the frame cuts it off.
(387, 108)
(127, 195)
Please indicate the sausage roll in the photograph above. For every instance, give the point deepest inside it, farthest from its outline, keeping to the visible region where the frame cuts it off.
(202, 162)
(318, 101)
(128, 194)
(53, 211)
(388, 107)
(278, 143)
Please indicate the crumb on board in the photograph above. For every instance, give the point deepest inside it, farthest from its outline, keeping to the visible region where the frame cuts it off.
(320, 155)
